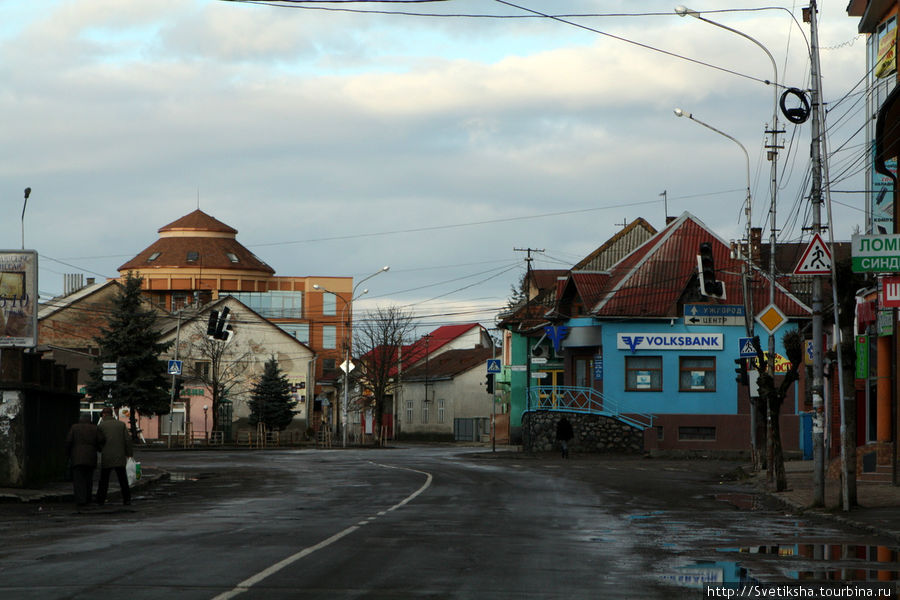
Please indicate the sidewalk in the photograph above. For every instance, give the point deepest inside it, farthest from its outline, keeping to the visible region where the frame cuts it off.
(61, 491)
(879, 503)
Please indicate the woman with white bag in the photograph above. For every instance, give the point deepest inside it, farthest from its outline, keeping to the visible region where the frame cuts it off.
(117, 451)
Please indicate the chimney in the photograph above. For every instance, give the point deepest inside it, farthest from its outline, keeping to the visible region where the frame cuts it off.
(755, 243)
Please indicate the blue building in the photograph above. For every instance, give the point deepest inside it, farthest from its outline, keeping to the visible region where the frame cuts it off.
(640, 342)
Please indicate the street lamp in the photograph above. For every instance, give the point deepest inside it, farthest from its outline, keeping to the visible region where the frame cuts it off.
(27, 193)
(748, 299)
(683, 11)
(205, 432)
(681, 113)
(348, 341)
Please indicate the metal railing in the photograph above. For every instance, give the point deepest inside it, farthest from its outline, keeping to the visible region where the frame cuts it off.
(584, 400)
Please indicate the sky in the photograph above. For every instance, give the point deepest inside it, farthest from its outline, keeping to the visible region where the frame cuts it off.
(338, 142)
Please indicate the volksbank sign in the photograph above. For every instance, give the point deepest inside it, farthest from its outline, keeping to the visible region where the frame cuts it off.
(876, 253)
(669, 341)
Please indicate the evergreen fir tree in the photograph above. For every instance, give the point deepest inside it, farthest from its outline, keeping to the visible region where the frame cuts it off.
(132, 341)
(271, 402)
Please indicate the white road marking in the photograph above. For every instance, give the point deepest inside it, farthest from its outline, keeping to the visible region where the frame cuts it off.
(251, 581)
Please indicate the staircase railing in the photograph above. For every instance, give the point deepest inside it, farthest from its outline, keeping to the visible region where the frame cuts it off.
(584, 400)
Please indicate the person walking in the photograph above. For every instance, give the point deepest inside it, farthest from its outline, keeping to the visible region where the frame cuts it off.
(564, 433)
(83, 442)
(116, 452)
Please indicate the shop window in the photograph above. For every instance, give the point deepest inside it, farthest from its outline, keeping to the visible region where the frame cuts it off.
(696, 434)
(696, 374)
(643, 374)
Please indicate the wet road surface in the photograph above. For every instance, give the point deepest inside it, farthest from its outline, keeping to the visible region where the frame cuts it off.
(425, 522)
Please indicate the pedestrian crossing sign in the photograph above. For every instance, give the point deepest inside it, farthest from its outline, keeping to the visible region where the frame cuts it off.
(816, 260)
(748, 349)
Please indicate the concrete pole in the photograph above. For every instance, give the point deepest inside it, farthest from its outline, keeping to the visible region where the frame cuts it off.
(817, 322)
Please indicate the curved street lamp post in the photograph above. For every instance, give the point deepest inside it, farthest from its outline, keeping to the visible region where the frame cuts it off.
(348, 304)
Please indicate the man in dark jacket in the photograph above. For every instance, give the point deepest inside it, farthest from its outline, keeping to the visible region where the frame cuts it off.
(116, 452)
(83, 443)
(564, 433)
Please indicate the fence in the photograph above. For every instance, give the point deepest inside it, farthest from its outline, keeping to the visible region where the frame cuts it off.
(586, 401)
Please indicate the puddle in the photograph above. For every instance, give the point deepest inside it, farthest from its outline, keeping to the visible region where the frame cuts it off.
(709, 573)
(792, 562)
(742, 501)
(830, 552)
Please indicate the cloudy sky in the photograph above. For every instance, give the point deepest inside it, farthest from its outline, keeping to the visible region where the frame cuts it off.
(337, 142)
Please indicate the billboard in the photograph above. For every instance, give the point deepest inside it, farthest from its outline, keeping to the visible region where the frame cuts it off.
(18, 298)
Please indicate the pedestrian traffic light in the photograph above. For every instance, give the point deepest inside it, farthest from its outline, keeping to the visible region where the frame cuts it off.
(741, 372)
(709, 286)
(489, 383)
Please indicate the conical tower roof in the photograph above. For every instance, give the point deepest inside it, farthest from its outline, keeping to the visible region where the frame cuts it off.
(197, 241)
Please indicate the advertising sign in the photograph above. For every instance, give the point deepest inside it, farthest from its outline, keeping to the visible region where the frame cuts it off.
(669, 341)
(890, 292)
(18, 298)
(875, 253)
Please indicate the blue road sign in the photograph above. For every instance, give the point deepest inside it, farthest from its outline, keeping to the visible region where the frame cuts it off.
(493, 365)
(175, 367)
(748, 349)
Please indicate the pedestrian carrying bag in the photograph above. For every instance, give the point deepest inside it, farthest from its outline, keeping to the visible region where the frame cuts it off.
(131, 471)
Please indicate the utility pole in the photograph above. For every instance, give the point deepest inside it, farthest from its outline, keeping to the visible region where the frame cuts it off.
(818, 434)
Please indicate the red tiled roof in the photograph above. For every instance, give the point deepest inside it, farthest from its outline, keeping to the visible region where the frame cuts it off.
(651, 280)
(221, 251)
(437, 339)
(198, 221)
(449, 364)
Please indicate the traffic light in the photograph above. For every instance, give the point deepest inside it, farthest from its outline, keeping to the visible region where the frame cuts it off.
(179, 387)
(489, 383)
(217, 327)
(709, 286)
(741, 372)
(220, 326)
(213, 322)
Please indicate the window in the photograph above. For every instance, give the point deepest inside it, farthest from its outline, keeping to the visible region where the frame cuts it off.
(329, 337)
(153, 256)
(201, 369)
(409, 411)
(329, 304)
(425, 407)
(298, 330)
(659, 433)
(179, 301)
(643, 373)
(440, 415)
(193, 256)
(696, 374)
(328, 364)
(232, 257)
(695, 434)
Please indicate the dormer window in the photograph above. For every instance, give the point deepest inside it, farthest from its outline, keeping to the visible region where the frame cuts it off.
(232, 257)
(153, 256)
(193, 256)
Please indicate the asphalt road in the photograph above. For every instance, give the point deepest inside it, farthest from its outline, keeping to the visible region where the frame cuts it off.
(420, 522)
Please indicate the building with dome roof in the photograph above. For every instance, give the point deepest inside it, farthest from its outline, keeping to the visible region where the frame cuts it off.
(198, 259)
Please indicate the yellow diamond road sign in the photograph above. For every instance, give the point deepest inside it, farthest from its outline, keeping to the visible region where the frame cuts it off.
(771, 318)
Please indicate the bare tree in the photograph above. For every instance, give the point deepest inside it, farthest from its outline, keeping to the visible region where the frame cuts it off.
(220, 366)
(378, 339)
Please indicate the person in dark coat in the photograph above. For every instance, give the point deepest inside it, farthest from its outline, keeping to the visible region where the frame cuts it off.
(564, 433)
(83, 443)
(116, 452)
